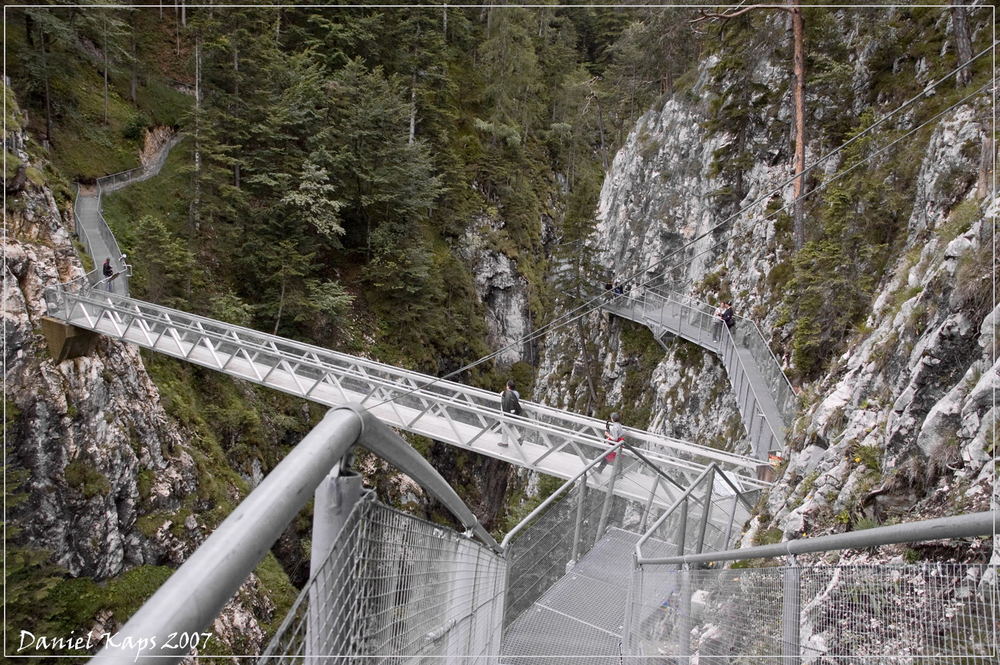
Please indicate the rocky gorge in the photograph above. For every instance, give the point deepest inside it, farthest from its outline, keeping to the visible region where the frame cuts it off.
(902, 424)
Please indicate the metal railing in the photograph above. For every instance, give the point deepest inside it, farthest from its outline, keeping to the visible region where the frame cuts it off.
(703, 517)
(750, 336)
(99, 238)
(569, 564)
(543, 439)
(885, 613)
(573, 518)
(763, 417)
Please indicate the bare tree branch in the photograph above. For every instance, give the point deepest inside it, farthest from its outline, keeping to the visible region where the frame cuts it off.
(714, 16)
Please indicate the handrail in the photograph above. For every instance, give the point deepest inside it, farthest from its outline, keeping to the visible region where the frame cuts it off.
(671, 294)
(653, 300)
(959, 526)
(552, 497)
(196, 592)
(104, 231)
(111, 180)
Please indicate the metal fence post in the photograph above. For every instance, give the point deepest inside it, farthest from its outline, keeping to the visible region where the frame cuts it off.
(706, 511)
(790, 608)
(682, 537)
(649, 504)
(606, 509)
(579, 519)
(684, 620)
(333, 500)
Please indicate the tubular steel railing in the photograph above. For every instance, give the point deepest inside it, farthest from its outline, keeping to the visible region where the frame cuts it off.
(752, 338)
(703, 517)
(569, 564)
(102, 233)
(543, 439)
(879, 613)
(406, 584)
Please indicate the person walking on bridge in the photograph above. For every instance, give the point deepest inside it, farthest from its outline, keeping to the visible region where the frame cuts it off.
(510, 404)
(108, 272)
(725, 314)
(614, 433)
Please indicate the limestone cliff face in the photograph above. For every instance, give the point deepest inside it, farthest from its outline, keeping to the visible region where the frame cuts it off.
(901, 426)
(500, 287)
(97, 453)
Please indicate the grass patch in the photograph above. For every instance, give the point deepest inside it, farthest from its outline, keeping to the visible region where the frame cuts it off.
(960, 220)
(278, 589)
(164, 197)
(75, 602)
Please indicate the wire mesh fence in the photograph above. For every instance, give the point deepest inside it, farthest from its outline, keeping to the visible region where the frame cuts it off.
(820, 615)
(395, 588)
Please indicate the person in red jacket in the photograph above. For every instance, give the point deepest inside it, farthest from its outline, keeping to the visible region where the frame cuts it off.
(614, 433)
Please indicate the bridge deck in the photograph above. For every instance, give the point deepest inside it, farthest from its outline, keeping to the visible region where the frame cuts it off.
(581, 615)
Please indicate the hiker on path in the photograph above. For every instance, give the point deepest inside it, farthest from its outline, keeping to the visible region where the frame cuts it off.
(614, 433)
(725, 313)
(510, 404)
(108, 271)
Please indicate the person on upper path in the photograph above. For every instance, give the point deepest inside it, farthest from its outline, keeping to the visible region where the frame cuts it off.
(108, 272)
(726, 314)
(510, 404)
(614, 433)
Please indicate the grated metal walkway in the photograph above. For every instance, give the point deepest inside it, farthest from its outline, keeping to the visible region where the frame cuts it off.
(545, 439)
(582, 615)
(97, 238)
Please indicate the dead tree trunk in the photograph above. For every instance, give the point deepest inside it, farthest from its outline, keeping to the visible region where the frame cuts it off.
(799, 94)
(963, 44)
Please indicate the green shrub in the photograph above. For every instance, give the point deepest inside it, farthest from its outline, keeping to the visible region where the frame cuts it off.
(136, 125)
(961, 219)
(81, 475)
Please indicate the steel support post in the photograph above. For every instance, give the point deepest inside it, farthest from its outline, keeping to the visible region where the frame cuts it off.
(333, 500)
(684, 618)
(706, 511)
(649, 505)
(683, 527)
(790, 609)
(609, 497)
(193, 596)
(582, 489)
(732, 518)
(632, 598)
